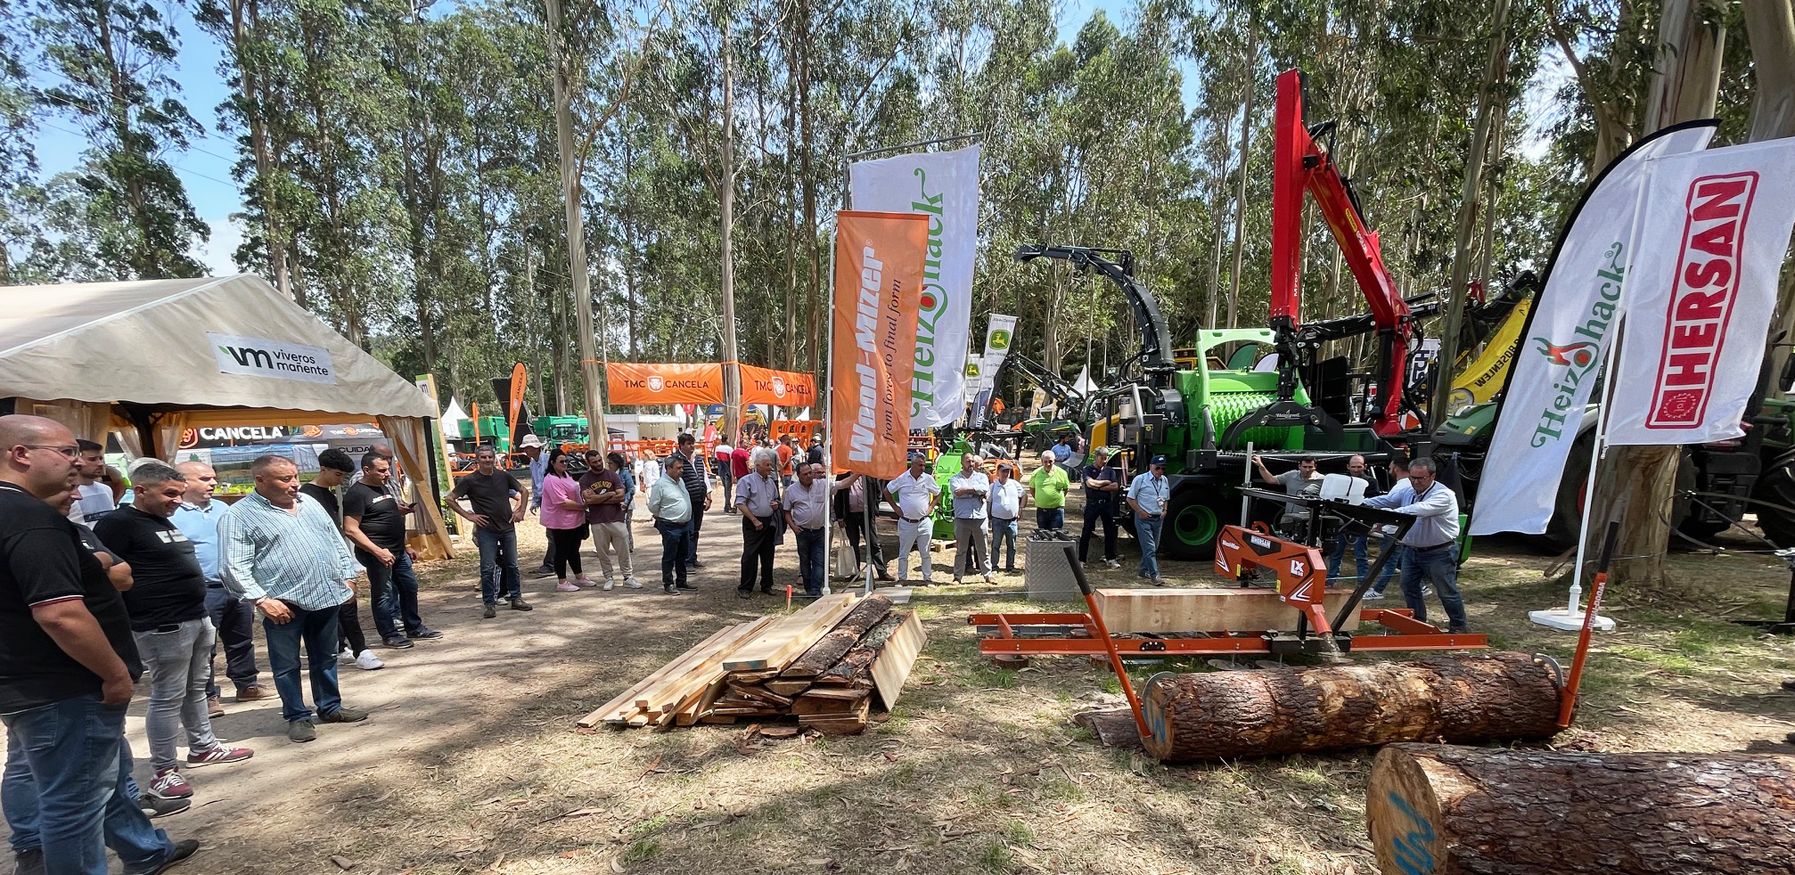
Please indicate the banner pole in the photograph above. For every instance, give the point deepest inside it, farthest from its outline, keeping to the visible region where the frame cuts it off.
(1599, 447)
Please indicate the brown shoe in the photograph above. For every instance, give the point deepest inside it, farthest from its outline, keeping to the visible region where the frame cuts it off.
(251, 693)
(214, 707)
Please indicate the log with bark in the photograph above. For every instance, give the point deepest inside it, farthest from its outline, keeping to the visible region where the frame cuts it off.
(1465, 698)
(855, 667)
(832, 647)
(1457, 811)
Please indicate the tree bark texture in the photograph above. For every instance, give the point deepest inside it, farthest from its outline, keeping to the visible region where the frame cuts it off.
(1770, 26)
(856, 666)
(1246, 161)
(1477, 811)
(1465, 698)
(829, 649)
(578, 272)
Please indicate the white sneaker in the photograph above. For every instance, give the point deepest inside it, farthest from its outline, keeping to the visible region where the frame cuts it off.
(367, 661)
(606, 586)
(630, 583)
(1112, 563)
(1372, 595)
(347, 655)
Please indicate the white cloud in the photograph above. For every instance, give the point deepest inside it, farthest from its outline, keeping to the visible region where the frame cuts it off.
(216, 253)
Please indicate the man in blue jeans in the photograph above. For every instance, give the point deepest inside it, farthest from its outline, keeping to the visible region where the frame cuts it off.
(671, 506)
(68, 667)
(498, 502)
(1351, 534)
(1146, 496)
(282, 552)
(374, 520)
(1430, 549)
(806, 504)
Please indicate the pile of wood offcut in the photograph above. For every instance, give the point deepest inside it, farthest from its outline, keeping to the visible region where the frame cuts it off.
(825, 665)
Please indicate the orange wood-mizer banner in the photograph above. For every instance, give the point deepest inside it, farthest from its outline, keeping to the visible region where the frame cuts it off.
(519, 381)
(634, 384)
(878, 284)
(780, 388)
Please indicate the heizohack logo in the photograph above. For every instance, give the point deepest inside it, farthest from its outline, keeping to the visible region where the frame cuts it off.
(1704, 289)
(1576, 355)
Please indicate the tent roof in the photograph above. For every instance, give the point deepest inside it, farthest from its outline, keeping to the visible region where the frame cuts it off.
(212, 342)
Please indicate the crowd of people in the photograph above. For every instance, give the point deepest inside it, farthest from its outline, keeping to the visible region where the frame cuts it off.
(97, 596)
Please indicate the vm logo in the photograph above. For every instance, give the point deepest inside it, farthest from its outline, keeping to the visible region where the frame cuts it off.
(246, 356)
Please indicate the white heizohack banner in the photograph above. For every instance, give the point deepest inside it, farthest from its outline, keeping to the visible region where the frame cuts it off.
(944, 186)
(1712, 235)
(1562, 350)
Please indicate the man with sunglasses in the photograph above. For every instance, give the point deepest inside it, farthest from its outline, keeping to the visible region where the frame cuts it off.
(68, 667)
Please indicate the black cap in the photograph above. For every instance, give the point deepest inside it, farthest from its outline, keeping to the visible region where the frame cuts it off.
(1158, 460)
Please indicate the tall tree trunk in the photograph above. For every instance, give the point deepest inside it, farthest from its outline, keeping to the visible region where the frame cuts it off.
(576, 231)
(1246, 156)
(245, 21)
(1637, 485)
(1493, 72)
(1770, 26)
(732, 373)
(817, 296)
(1219, 210)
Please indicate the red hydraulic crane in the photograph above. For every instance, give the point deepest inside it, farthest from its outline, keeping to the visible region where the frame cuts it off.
(1300, 164)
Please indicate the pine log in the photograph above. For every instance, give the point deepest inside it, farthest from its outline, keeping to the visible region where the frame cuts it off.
(1458, 811)
(1459, 699)
(858, 661)
(831, 647)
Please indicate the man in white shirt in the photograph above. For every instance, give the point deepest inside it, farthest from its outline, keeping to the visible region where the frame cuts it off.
(806, 506)
(1005, 506)
(914, 493)
(93, 499)
(1430, 548)
(971, 492)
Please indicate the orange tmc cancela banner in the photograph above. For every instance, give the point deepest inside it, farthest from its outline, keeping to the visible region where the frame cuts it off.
(780, 388)
(878, 284)
(628, 383)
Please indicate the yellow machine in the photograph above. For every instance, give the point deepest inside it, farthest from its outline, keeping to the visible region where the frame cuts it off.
(1481, 378)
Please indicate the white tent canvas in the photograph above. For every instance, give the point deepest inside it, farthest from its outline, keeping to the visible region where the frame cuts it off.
(213, 342)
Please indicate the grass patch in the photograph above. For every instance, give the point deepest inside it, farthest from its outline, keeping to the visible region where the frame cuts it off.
(642, 851)
(1018, 833)
(997, 858)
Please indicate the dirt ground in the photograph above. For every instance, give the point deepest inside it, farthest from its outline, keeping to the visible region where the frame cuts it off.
(471, 763)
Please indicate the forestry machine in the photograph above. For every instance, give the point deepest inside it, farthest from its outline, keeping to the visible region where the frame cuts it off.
(1203, 417)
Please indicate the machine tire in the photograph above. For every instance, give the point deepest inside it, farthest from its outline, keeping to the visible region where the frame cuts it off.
(1567, 508)
(1195, 516)
(1776, 485)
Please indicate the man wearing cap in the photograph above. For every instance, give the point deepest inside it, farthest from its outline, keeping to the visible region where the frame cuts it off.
(815, 456)
(914, 493)
(1102, 481)
(1048, 485)
(1004, 508)
(698, 493)
(971, 492)
(1147, 496)
(531, 445)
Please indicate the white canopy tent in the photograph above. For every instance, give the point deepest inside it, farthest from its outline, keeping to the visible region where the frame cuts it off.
(150, 358)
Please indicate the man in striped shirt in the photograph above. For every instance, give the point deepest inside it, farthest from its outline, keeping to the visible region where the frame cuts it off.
(282, 552)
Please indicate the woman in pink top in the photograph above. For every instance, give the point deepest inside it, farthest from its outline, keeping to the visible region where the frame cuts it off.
(563, 514)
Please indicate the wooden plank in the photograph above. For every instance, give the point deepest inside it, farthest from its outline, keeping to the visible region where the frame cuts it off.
(791, 635)
(615, 711)
(834, 643)
(788, 688)
(695, 671)
(843, 693)
(892, 666)
(755, 692)
(1210, 609)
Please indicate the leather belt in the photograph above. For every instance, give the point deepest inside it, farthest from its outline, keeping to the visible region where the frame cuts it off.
(909, 520)
(1434, 547)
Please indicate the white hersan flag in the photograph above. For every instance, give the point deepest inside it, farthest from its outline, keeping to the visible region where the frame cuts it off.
(1711, 238)
(1566, 338)
(945, 186)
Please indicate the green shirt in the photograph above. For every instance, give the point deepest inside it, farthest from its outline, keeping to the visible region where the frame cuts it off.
(1049, 485)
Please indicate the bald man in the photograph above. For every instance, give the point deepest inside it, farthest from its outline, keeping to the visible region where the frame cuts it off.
(68, 667)
(197, 517)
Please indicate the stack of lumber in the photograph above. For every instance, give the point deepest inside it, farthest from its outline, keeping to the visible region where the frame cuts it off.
(824, 665)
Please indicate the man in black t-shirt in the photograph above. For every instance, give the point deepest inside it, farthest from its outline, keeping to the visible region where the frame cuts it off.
(1103, 485)
(68, 667)
(374, 520)
(698, 487)
(167, 604)
(495, 517)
